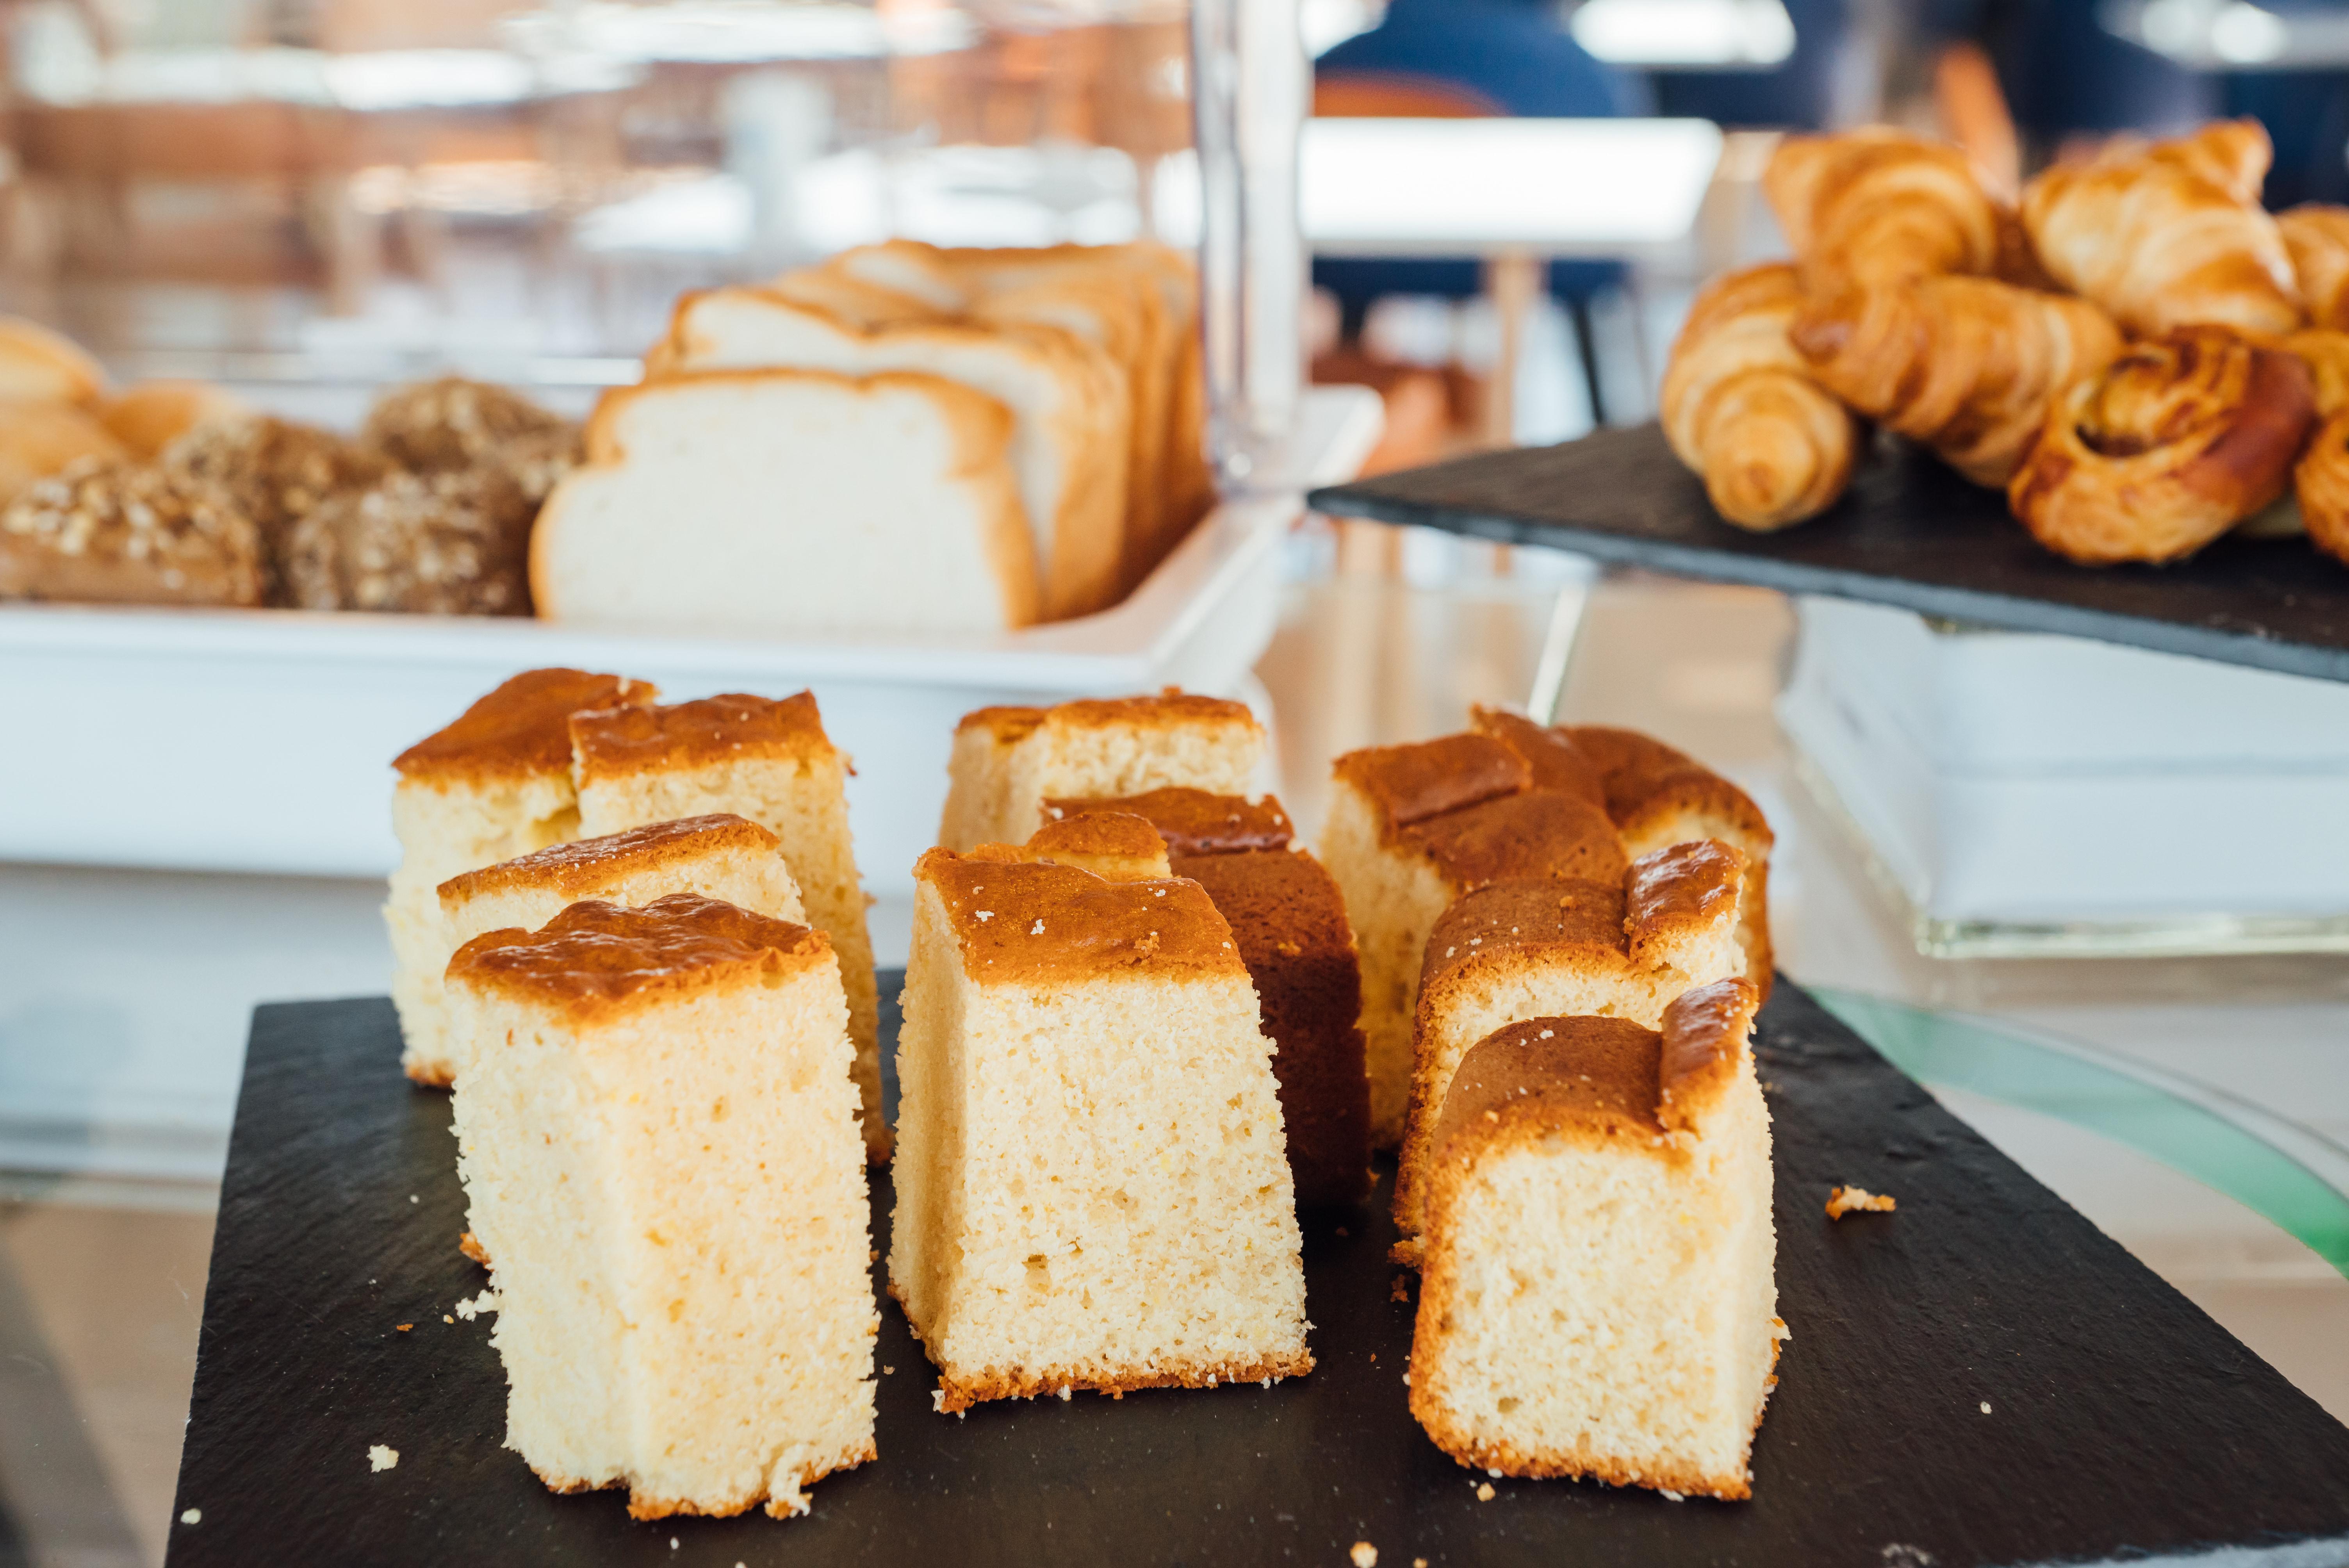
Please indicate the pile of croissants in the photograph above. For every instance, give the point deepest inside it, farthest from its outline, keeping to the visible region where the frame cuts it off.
(2136, 351)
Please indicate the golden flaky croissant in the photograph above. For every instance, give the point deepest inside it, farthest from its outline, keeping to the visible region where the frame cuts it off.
(2326, 351)
(1880, 206)
(2181, 438)
(2171, 233)
(2316, 237)
(1741, 408)
(1970, 367)
(2321, 480)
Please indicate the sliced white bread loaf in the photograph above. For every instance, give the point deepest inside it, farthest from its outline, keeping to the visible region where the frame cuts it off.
(1069, 399)
(790, 501)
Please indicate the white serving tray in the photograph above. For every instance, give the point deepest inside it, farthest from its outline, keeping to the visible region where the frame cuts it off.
(2033, 794)
(262, 741)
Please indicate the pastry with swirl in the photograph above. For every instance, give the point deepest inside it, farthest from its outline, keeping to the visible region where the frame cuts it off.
(2321, 482)
(2171, 233)
(1879, 206)
(2180, 438)
(1741, 408)
(1969, 367)
(2316, 237)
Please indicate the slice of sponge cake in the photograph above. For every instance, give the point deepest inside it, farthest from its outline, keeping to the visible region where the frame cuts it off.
(1598, 1298)
(1092, 1187)
(1290, 922)
(719, 857)
(657, 1136)
(770, 761)
(493, 785)
(1412, 828)
(1566, 948)
(1007, 761)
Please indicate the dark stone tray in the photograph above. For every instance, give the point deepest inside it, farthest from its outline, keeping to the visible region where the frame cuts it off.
(1910, 532)
(2123, 1421)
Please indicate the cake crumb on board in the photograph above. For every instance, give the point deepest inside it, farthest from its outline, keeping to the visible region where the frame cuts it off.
(192, 1516)
(381, 1457)
(1483, 1491)
(1364, 1555)
(1843, 1200)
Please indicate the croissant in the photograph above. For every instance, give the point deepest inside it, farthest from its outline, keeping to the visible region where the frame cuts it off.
(2321, 480)
(2180, 438)
(1740, 408)
(2326, 354)
(2168, 233)
(1877, 206)
(1967, 366)
(2316, 237)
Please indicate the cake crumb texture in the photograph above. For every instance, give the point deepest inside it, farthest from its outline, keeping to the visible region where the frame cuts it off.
(1598, 1293)
(1845, 1200)
(1092, 1181)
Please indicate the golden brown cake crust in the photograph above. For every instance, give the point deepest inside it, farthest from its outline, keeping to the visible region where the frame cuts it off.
(1196, 821)
(1704, 1030)
(1018, 924)
(1006, 724)
(1602, 1080)
(1523, 912)
(582, 864)
(1114, 844)
(1538, 833)
(958, 1393)
(1411, 784)
(1644, 777)
(1170, 709)
(646, 739)
(1676, 892)
(1289, 920)
(1596, 1078)
(596, 961)
(1551, 755)
(520, 728)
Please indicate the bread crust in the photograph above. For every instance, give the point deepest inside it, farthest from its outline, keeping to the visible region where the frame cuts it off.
(1022, 923)
(38, 363)
(596, 962)
(1194, 822)
(982, 427)
(1410, 784)
(579, 866)
(645, 1506)
(520, 729)
(625, 741)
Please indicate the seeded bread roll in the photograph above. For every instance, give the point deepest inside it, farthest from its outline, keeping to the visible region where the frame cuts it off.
(276, 470)
(117, 533)
(455, 542)
(452, 423)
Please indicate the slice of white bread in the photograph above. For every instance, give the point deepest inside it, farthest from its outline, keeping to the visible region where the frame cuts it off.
(657, 1137)
(1562, 948)
(789, 502)
(1068, 402)
(721, 857)
(492, 785)
(1007, 761)
(1599, 1296)
(770, 761)
(1092, 1187)
(1068, 285)
(1412, 828)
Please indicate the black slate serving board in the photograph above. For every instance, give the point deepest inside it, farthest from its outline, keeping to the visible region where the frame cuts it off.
(1908, 533)
(2122, 1421)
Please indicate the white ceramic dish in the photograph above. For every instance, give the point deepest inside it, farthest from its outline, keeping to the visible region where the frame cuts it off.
(2029, 794)
(261, 740)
